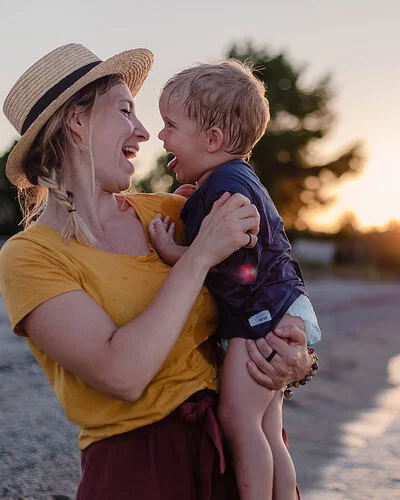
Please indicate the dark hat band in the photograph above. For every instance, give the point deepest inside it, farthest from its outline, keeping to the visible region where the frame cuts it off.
(55, 92)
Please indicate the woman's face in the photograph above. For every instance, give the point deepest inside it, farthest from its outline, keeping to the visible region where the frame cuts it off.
(113, 134)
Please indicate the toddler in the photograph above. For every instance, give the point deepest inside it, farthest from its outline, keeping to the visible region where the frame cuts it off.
(213, 116)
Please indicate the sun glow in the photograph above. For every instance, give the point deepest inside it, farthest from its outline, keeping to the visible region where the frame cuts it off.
(373, 197)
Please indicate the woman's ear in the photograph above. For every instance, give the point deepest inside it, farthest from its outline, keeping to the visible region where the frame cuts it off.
(214, 139)
(77, 124)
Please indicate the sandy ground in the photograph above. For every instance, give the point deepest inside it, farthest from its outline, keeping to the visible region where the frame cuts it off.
(344, 426)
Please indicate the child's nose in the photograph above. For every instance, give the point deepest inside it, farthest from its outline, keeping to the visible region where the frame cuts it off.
(161, 134)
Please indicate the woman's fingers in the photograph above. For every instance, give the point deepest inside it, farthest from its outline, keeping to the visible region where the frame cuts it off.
(263, 347)
(294, 354)
(252, 240)
(285, 366)
(258, 356)
(226, 228)
(236, 204)
(292, 333)
(237, 209)
(221, 201)
(260, 377)
(287, 340)
(290, 362)
(273, 376)
(250, 219)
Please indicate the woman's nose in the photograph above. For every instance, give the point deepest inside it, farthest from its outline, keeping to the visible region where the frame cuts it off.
(141, 132)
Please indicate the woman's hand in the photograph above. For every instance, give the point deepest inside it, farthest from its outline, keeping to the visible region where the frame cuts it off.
(290, 363)
(233, 223)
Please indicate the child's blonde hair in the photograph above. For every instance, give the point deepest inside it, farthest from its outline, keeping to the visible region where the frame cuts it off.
(226, 95)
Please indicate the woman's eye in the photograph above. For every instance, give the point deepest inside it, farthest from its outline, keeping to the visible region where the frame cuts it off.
(126, 112)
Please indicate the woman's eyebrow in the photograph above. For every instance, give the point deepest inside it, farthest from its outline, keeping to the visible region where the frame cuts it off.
(129, 101)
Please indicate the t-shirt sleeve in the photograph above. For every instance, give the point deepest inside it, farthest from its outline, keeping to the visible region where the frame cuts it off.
(175, 215)
(30, 274)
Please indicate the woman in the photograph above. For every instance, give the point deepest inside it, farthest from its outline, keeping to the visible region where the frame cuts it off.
(122, 337)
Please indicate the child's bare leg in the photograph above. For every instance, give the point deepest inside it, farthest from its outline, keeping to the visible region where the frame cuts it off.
(284, 472)
(241, 410)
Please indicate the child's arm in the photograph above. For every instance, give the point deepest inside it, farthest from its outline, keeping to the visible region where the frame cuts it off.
(162, 239)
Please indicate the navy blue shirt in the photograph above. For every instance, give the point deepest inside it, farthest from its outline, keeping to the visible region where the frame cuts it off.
(254, 287)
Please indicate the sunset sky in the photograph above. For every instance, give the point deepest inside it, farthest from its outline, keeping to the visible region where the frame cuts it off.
(360, 47)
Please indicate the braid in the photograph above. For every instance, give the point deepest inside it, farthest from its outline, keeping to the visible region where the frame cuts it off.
(75, 227)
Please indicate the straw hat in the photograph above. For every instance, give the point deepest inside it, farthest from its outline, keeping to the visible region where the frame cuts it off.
(51, 81)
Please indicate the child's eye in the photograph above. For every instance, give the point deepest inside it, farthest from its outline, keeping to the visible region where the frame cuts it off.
(168, 125)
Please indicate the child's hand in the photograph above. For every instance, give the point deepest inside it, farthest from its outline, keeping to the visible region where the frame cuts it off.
(162, 236)
(186, 190)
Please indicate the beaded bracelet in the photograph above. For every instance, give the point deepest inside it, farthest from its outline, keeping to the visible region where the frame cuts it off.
(288, 393)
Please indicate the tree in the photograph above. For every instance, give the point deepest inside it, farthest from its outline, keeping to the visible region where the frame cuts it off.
(300, 117)
(10, 214)
(160, 179)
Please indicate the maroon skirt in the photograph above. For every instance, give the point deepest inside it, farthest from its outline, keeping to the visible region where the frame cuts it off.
(181, 457)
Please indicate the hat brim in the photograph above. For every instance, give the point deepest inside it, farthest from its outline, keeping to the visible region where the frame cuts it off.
(132, 65)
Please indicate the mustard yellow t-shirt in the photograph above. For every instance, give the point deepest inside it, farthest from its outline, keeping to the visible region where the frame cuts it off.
(36, 265)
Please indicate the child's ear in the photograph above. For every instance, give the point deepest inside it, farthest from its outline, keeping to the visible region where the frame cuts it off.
(215, 139)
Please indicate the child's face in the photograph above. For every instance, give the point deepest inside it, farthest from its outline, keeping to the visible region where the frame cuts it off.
(182, 138)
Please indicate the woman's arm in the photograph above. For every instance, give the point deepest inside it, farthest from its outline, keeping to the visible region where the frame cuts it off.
(77, 333)
(292, 361)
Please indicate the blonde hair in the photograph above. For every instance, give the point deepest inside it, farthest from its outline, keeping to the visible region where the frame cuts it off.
(43, 163)
(226, 95)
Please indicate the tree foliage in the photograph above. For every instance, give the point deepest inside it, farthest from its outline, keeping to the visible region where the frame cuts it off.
(160, 178)
(301, 116)
(10, 214)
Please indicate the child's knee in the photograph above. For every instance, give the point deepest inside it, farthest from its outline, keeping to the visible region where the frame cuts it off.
(229, 418)
(235, 420)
